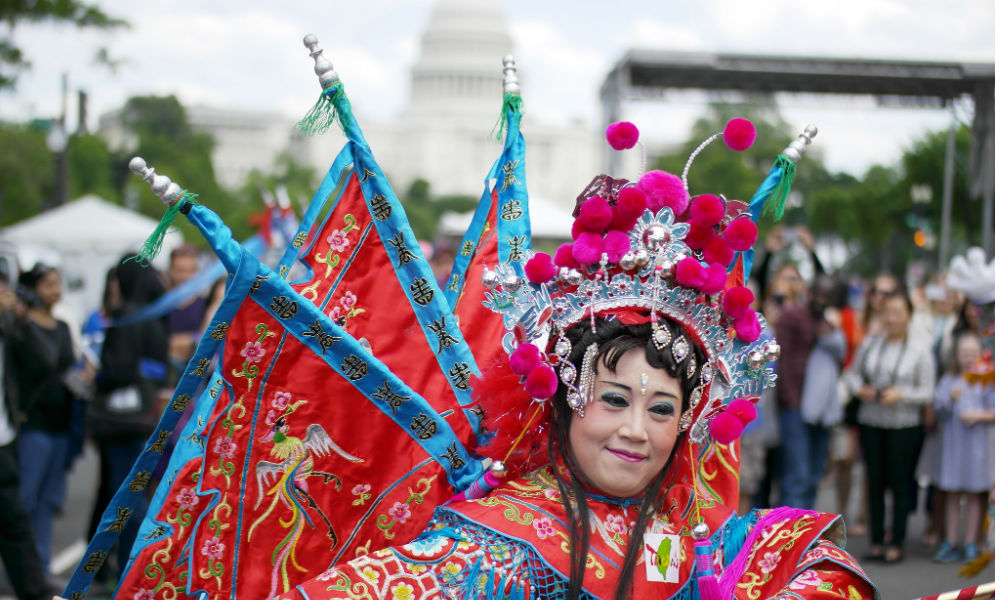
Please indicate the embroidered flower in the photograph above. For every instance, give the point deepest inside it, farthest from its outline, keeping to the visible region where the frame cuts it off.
(427, 547)
(253, 352)
(806, 579)
(144, 594)
(213, 548)
(403, 591)
(337, 240)
(616, 524)
(334, 314)
(280, 400)
(543, 528)
(328, 574)
(551, 493)
(226, 447)
(271, 418)
(348, 301)
(400, 512)
(814, 555)
(187, 499)
(769, 562)
(415, 568)
(361, 488)
(451, 569)
(370, 575)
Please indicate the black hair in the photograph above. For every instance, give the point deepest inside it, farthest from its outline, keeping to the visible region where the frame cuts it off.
(614, 339)
(33, 276)
(900, 293)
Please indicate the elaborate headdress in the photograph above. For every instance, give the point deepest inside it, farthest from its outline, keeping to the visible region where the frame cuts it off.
(642, 251)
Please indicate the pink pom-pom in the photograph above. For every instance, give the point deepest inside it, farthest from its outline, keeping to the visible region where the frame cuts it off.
(715, 279)
(698, 237)
(747, 326)
(736, 300)
(622, 135)
(742, 409)
(717, 251)
(616, 244)
(564, 257)
(725, 428)
(631, 202)
(541, 382)
(587, 248)
(576, 229)
(540, 268)
(595, 214)
(525, 358)
(663, 189)
(707, 210)
(622, 222)
(741, 234)
(689, 272)
(739, 134)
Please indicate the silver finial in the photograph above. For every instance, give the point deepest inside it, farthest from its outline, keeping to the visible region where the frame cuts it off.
(167, 191)
(511, 84)
(797, 148)
(323, 68)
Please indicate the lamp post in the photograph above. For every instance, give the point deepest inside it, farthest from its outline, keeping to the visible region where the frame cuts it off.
(57, 142)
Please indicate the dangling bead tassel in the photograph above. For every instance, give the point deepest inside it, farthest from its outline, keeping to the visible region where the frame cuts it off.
(511, 102)
(154, 243)
(776, 201)
(708, 583)
(324, 113)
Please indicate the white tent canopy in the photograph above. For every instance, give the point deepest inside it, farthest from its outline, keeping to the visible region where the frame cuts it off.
(88, 236)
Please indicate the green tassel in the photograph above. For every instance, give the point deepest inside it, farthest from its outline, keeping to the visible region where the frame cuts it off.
(511, 102)
(324, 113)
(776, 201)
(154, 243)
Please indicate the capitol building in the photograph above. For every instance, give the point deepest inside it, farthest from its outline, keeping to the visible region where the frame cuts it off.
(442, 135)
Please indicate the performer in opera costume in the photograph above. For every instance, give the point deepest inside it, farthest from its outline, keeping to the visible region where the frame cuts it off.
(586, 407)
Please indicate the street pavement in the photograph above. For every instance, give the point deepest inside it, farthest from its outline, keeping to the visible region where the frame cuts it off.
(916, 576)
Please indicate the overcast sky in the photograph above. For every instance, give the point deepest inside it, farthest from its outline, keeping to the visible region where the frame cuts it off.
(247, 54)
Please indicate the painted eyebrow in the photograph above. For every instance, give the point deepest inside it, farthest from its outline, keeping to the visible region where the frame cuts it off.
(629, 389)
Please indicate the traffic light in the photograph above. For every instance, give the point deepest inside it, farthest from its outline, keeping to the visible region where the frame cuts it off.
(920, 238)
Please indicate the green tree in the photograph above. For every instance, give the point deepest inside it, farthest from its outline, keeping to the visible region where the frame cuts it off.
(924, 164)
(168, 142)
(26, 172)
(424, 211)
(72, 12)
(91, 168)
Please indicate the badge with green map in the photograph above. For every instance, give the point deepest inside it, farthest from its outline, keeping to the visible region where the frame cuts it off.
(661, 553)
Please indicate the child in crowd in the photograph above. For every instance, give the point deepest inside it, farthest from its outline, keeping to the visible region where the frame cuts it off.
(965, 410)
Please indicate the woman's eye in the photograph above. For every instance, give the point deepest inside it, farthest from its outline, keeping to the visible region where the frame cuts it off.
(616, 400)
(662, 409)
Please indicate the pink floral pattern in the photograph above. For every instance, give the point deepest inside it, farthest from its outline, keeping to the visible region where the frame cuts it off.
(349, 300)
(187, 499)
(143, 594)
(226, 447)
(361, 488)
(543, 528)
(615, 524)
(280, 400)
(400, 512)
(213, 548)
(253, 352)
(805, 579)
(338, 241)
(769, 562)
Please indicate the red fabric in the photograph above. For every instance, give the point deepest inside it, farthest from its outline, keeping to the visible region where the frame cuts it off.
(481, 327)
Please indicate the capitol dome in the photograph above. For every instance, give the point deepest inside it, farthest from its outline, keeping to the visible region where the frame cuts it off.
(458, 68)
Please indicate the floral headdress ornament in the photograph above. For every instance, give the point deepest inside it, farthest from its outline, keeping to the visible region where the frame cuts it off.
(639, 248)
